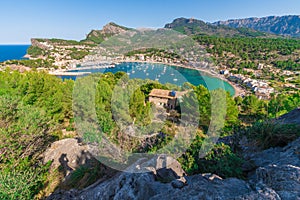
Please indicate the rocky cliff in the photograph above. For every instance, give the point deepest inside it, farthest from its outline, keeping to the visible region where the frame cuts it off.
(276, 175)
(98, 36)
(285, 25)
(272, 174)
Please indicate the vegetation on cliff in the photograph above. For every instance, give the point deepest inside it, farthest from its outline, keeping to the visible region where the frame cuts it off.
(198, 27)
(248, 52)
(35, 107)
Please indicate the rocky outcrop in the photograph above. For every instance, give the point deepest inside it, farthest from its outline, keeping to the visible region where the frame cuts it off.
(68, 154)
(275, 175)
(292, 117)
(272, 174)
(278, 170)
(163, 172)
(109, 30)
(41, 43)
(113, 29)
(285, 25)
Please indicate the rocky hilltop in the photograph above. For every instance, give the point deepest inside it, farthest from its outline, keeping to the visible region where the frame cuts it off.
(93, 37)
(285, 25)
(111, 29)
(272, 174)
(195, 26)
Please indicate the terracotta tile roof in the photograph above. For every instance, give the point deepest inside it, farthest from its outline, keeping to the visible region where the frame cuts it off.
(161, 93)
(165, 94)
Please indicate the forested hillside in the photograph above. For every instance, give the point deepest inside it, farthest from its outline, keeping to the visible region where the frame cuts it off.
(35, 107)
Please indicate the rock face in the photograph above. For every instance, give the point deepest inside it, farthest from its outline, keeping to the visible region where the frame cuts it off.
(276, 176)
(111, 29)
(278, 171)
(163, 172)
(285, 25)
(36, 43)
(67, 153)
(292, 117)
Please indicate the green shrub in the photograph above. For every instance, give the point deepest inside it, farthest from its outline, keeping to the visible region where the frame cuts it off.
(17, 184)
(272, 134)
(85, 175)
(22, 182)
(222, 161)
(35, 51)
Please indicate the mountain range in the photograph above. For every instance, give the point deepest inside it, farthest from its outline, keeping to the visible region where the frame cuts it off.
(266, 27)
(284, 25)
(194, 26)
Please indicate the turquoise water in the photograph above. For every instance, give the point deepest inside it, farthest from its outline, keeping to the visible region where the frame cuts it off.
(164, 74)
(12, 52)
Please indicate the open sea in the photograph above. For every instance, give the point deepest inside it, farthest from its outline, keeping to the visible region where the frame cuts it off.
(12, 52)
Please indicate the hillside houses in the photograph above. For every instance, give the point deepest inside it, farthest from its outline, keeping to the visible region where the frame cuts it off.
(261, 88)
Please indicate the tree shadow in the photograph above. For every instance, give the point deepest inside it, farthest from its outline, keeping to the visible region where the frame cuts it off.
(64, 166)
(88, 171)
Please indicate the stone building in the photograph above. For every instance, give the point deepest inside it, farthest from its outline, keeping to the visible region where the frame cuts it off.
(165, 98)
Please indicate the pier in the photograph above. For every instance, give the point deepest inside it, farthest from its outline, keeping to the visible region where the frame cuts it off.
(66, 73)
(87, 67)
(73, 72)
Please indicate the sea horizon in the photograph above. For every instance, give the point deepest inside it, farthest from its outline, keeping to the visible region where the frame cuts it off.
(15, 44)
(13, 51)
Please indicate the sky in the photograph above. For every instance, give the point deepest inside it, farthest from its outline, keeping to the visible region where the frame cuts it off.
(71, 19)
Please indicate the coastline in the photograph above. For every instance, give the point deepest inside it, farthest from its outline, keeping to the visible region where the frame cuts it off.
(27, 56)
(238, 90)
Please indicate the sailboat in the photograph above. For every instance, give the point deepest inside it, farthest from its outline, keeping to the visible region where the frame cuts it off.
(175, 79)
(157, 79)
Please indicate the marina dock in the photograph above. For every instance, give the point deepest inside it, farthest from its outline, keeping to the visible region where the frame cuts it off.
(65, 73)
(87, 67)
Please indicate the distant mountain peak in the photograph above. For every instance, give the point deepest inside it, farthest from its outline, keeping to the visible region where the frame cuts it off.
(182, 20)
(288, 25)
(108, 30)
(113, 28)
(192, 26)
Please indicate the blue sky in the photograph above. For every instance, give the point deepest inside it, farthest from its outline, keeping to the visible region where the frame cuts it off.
(71, 19)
